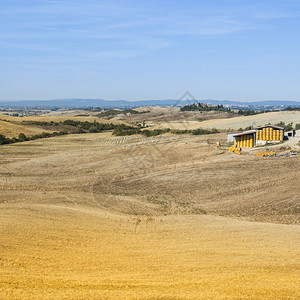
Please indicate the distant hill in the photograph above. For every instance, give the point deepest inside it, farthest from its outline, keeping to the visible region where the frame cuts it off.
(85, 103)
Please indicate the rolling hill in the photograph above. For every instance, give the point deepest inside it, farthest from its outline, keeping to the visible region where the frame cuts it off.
(173, 217)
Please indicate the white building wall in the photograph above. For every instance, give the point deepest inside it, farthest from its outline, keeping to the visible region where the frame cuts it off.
(230, 136)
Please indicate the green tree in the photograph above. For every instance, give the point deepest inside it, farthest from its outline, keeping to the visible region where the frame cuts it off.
(287, 127)
(3, 139)
(22, 137)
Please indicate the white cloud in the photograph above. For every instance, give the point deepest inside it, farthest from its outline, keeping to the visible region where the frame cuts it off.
(120, 29)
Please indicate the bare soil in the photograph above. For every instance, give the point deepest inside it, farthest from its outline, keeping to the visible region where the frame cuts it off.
(94, 216)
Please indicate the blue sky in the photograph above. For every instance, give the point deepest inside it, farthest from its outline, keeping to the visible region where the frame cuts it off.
(216, 49)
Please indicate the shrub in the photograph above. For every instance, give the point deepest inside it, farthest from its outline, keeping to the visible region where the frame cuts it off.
(3, 139)
(287, 127)
(22, 137)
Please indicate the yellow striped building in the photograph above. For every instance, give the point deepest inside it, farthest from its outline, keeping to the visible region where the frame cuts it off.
(270, 133)
(246, 139)
(260, 135)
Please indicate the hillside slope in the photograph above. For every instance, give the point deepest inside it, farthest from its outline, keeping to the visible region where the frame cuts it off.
(12, 126)
(236, 123)
(94, 216)
(64, 252)
(12, 130)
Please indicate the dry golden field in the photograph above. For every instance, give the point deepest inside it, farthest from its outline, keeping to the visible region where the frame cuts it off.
(94, 216)
(12, 126)
(161, 115)
(12, 130)
(67, 115)
(235, 123)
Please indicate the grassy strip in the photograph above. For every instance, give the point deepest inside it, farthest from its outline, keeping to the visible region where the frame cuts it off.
(81, 127)
(95, 127)
(155, 132)
(22, 137)
(122, 131)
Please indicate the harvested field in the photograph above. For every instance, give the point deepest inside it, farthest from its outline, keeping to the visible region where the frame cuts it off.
(236, 123)
(184, 173)
(173, 217)
(60, 252)
(157, 115)
(12, 130)
(11, 126)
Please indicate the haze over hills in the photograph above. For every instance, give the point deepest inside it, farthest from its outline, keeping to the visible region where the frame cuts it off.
(81, 103)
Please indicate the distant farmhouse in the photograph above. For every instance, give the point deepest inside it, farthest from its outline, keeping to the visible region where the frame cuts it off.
(258, 136)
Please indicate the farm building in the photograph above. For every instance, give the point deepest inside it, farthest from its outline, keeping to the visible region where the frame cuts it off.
(290, 133)
(245, 139)
(230, 136)
(269, 133)
(258, 136)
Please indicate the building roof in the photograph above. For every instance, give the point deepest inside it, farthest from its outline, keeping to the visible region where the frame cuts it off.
(245, 132)
(235, 132)
(273, 126)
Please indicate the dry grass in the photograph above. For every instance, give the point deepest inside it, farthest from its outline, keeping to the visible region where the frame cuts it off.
(236, 123)
(161, 115)
(12, 126)
(57, 118)
(62, 253)
(99, 217)
(13, 130)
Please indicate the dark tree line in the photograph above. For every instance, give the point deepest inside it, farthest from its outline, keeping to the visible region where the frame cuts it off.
(293, 108)
(204, 107)
(22, 137)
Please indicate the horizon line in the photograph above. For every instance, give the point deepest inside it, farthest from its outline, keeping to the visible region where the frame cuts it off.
(161, 99)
